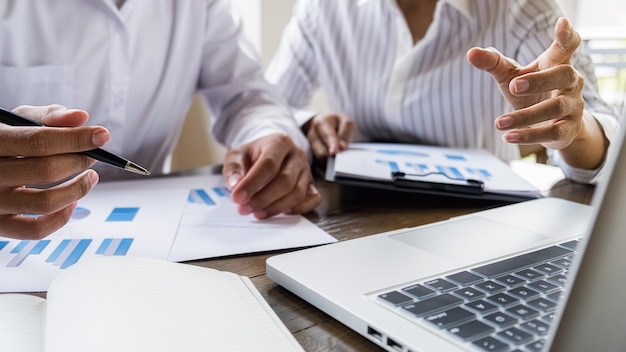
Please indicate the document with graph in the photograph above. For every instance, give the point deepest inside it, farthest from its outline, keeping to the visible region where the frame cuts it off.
(211, 226)
(172, 218)
(108, 221)
(471, 173)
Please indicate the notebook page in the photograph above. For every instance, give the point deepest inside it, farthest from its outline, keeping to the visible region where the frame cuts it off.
(134, 304)
(22, 319)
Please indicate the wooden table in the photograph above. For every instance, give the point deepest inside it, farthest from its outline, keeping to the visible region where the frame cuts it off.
(347, 213)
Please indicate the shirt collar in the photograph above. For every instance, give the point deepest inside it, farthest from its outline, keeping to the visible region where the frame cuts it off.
(464, 6)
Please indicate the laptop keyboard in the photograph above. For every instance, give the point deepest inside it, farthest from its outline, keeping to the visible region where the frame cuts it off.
(502, 306)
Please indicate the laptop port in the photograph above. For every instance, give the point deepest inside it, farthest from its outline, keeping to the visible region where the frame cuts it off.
(393, 344)
(374, 333)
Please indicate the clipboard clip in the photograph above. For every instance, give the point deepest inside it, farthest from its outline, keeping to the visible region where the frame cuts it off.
(465, 186)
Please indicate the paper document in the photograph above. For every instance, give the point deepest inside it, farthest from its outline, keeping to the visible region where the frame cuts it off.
(108, 221)
(378, 161)
(212, 227)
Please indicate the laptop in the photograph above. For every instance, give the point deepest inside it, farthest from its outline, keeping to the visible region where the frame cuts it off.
(544, 274)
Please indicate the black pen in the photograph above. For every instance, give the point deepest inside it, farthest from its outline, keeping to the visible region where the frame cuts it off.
(10, 118)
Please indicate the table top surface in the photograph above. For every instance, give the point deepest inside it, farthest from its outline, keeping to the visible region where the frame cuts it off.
(349, 212)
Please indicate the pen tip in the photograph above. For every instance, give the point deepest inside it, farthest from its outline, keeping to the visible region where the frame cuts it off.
(132, 167)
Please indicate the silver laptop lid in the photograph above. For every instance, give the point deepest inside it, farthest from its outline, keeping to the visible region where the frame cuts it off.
(594, 317)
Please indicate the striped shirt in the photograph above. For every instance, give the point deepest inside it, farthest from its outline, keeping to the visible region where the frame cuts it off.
(362, 54)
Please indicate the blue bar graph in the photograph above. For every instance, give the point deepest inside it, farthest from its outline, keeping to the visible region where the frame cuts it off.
(114, 246)
(222, 191)
(455, 157)
(451, 172)
(3, 244)
(419, 169)
(68, 252)
(200, 196)
(393, 166)
(480, 173)
(122, 214)
(25, 249)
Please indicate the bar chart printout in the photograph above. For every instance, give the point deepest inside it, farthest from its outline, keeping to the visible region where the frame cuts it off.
(112, 220)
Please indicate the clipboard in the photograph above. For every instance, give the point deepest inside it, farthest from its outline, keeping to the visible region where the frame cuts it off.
(395, 178)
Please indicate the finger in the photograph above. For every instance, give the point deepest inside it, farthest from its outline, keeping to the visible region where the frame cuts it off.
(344, 131)
(313, 198)
(291, 182)
(234, 168)
(327, 131)
(563, 47)
(542, 134)
(555, 108)
(557, 77)
(41, 171)
(46, 201)
(490, 60)
(34, 228)
(44, 141)
(265, 166)
(281, 195)
(318, 147)
(53, 115)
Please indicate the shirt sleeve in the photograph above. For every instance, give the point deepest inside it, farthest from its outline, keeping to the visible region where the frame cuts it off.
(539, 37)
(294, 67)
(245, 106)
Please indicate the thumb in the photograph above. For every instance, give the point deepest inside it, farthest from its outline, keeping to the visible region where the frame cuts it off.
(566, 41)
(233, 168)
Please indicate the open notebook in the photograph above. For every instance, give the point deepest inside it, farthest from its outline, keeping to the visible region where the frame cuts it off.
(545, 274)
(138, 304)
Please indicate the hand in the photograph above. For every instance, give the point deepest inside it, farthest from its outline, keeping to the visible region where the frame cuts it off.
(270, 176)
(37, 156)
(547, 98)
(328, 134)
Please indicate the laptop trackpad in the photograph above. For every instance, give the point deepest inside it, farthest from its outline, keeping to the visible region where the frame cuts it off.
(469, 239)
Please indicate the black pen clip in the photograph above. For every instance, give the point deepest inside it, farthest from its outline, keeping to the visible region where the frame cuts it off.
(467, 186)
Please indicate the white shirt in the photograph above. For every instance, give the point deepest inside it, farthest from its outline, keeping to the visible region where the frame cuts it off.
(361, 53)
(136, 68)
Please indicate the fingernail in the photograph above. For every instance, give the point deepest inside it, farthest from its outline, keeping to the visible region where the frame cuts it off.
(511, 137)
(505, 122)
(233, 180)
(521, 85)
(100, 138)
(312, 189)
(260, 214)
(93, 178)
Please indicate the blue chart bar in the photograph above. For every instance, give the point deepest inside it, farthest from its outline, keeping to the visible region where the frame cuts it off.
(451, 172)
(393, 166)
(200, 196)
(401, 152)
(26, 248)
(420, 169)
(68, 252)
(222, 191)
(455, 157)
(481, 173)
(122, 214)
(114, 246)
(3, 244)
